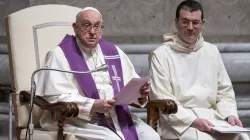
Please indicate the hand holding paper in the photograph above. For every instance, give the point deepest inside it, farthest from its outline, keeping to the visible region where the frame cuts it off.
(145, 89)
(224, 127)
(131, 92)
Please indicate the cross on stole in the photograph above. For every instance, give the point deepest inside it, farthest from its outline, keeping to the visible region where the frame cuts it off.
(116, 78)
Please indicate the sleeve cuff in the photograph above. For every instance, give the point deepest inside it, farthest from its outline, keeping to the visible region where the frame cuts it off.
(180, 129)
(85, 110)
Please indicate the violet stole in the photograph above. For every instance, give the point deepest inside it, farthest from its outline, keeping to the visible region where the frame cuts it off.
(77, 63)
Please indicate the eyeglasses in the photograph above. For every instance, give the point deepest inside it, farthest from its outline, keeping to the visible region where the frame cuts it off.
(88, 26)
(195, 23)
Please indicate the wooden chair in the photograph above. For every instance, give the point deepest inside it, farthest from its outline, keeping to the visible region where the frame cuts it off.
(31, 33)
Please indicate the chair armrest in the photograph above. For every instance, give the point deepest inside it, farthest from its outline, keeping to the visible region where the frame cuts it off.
(167, 106)
(67, 109)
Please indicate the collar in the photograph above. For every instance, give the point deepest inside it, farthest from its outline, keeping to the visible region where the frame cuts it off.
(173, 40)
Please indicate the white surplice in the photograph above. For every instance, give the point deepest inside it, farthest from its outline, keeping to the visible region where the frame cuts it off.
(197, 80)
(56, 86)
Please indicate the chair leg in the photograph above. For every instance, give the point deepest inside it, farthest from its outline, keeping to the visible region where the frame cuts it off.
(10, 116)
(152, 117)
(60, 130)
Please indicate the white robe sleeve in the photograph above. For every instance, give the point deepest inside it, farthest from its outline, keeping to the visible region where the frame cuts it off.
(129, 73)
(225, 102)
(58, 86)
(161, 89)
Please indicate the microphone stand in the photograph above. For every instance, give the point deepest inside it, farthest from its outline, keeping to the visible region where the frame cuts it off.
(104, 67)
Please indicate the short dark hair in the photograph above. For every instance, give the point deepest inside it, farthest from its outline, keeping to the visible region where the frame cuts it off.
(190, 5)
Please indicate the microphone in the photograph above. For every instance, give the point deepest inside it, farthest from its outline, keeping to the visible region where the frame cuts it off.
(30, 125)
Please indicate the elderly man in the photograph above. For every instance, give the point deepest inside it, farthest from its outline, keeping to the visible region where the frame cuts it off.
(190, 71)
(99, 117)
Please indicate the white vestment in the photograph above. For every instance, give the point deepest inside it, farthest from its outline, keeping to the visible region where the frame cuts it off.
(197, 80)
(56, 86)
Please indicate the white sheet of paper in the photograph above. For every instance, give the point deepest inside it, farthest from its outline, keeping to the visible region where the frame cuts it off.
(225, 127)
(131, 92)
(230, 129)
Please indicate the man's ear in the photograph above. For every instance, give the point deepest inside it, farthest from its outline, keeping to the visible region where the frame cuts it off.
(203, 22)
(176, 20)
(74, 27)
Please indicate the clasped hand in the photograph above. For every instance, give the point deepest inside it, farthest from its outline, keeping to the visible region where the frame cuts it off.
(205, 126)
(103, 106)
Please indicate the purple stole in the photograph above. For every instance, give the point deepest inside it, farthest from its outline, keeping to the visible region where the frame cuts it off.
(77, 63)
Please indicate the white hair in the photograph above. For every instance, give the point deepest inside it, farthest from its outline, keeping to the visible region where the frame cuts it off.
(86, 9)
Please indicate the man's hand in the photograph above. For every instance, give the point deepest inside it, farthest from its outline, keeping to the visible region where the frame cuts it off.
(145, 89)
(202, 125)
(102, 106)
(234, 121)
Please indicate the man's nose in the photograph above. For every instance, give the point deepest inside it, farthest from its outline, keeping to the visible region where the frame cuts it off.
(92, 30)
(190, 26)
